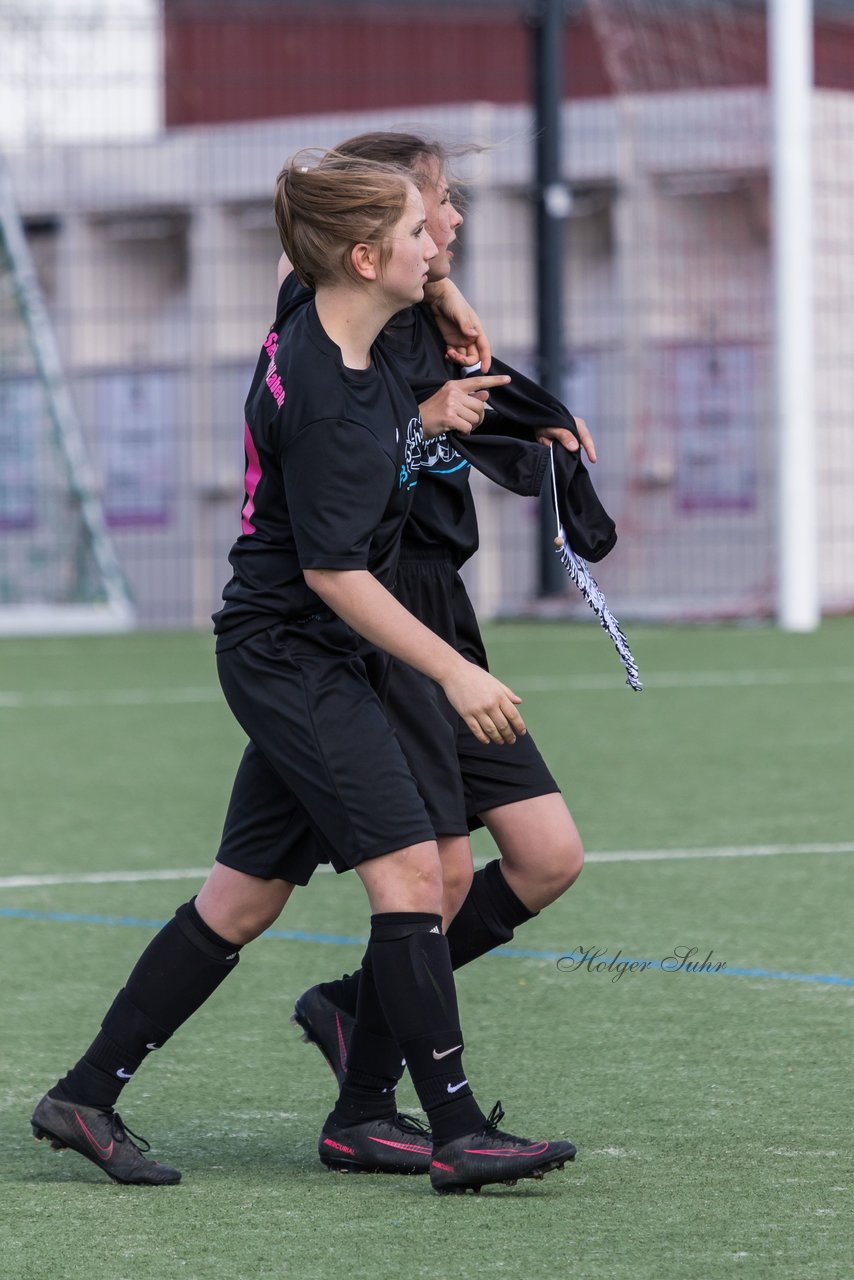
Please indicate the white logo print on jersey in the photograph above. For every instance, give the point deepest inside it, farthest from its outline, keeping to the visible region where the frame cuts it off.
(440, 454)
(412, 455)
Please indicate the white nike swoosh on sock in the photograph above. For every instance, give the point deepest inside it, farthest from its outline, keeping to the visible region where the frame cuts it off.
(452, 1088)
(439, 1056)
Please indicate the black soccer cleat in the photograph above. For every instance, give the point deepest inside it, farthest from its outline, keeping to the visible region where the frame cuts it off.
(489, 1155)
(101, 1136)
(327, 1026)
(397, 1144)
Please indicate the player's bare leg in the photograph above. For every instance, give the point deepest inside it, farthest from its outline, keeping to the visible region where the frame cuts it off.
(240, 907)
(457, 873)
(541, 850)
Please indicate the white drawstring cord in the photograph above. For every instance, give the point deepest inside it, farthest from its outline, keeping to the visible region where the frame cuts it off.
(579, 573)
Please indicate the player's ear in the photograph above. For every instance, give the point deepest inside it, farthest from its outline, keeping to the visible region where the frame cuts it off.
(363, 258)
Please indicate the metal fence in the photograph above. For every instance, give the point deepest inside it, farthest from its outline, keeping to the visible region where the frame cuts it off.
(142, 142)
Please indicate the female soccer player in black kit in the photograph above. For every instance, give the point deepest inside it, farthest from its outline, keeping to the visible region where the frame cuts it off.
(506, 788)
(332, 444)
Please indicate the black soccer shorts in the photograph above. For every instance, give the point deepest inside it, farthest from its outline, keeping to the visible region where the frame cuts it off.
(490, 775)
(324, 764)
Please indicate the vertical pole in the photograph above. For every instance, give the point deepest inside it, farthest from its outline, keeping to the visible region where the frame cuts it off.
(552, 206)
(790, 58)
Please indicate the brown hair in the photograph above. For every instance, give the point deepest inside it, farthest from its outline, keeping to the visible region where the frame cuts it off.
(326, 202)
(404, 150)
(418, 155)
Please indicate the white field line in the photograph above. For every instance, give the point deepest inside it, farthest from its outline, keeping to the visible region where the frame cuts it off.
(60, 698)
(616, 855)
(739, 679)
(682, 680)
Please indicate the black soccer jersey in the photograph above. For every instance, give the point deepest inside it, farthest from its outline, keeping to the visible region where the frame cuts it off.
(443, 517)
(332, 457)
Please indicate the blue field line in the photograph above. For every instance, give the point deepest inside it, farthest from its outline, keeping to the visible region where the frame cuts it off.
(132, 922)
(345, 940)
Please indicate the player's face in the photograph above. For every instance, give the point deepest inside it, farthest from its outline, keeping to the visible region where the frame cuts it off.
(412, 250)
(442, 218)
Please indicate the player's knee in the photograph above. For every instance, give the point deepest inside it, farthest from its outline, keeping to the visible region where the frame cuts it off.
(426, 888)
(456, 884)
(253, 923)
(418, 883)
(573, 861)
(244, 922)
(562, 865)
(457, 871)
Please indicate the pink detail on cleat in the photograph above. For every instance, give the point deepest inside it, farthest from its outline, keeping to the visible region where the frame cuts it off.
(506, 1152)
(342, 1044)
(446, 1168)
(348, 1151)
(399, 1146)
(103, 1152)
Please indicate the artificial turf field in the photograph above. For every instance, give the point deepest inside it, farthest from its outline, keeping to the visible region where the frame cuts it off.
(712, 1110)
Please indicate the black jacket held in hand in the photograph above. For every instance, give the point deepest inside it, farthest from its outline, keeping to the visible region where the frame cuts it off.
(505, 449)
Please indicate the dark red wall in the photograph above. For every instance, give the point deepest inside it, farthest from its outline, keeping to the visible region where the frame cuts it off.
(286, 59)
(263, 64)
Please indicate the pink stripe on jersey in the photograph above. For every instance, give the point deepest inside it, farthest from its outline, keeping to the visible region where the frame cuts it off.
(253, 475)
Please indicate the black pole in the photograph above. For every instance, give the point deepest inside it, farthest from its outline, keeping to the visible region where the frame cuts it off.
(552, 206)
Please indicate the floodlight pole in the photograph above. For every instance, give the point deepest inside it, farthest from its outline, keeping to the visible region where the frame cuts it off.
(552, 207)
(790, 75)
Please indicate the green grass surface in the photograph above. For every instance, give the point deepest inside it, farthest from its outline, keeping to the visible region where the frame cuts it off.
(712, 1112)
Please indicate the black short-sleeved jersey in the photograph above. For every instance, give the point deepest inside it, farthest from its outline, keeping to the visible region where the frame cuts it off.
(332, 457)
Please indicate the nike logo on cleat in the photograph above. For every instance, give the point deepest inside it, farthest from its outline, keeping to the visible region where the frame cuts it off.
(124, 1075)
(439, 1056)
(104, 1153)
(454, 1088)
(152, 1045)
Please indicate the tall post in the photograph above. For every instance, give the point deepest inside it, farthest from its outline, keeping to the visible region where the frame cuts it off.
(552, 207)
(790, 75)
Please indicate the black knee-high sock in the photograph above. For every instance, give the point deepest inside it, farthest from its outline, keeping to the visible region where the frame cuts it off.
(343, 992)
(374, 1059)
(487, 918)
(179, 969)
(409, 962)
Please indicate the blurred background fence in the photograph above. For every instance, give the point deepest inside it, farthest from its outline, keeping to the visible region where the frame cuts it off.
(140, 145)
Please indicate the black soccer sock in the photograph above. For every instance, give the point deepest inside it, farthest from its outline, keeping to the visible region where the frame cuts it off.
(343, 992)
(179, 969)
(409, 961)
(487, 918)
(374, 1060)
